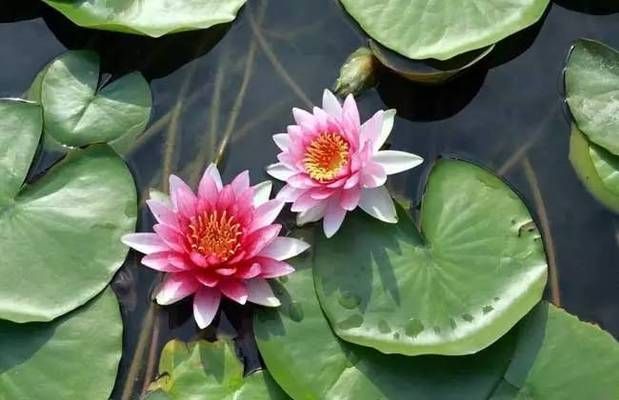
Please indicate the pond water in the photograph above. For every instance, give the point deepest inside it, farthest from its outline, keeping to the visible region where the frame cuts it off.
(243, 79)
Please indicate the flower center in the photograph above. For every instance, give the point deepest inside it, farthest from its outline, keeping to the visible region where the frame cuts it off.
(326, 155)
(215, 233)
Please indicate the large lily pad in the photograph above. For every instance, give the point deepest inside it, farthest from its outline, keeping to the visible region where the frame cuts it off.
(592, 92)
(475, 269)
(311, 363)
(152, 18)
(559, 357)
(440, 29)
(597, 168)
(60, 235)
(74, 357)
(199, 370)
(78, 112)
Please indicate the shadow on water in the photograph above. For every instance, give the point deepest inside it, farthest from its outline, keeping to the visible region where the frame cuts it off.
(20, 10)
(597, 7)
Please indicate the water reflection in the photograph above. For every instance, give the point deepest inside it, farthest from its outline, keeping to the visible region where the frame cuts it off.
(241, 80)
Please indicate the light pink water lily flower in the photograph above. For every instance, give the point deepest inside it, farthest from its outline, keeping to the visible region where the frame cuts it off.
(220, 241)
(332, 163)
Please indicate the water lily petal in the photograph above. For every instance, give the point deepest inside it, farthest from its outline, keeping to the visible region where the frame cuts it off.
(331, 104)
(378, 203)
(205, 306)
(388, 120)
(283, 248)
(240, 183)
(271, 268)
(282, 140)
(170, 236)
(256, 241)
(160, 262)
(162, 213)
(146, 243)
(334, 216)
(262, 192)
(280, 171)
(175, 287)
(397, 161)
(260, 292)
(373, 175)
(349, 199)
(234, 289)
(371, 129)
(351, 112)
(289, 194)
(183, 198)
(312, 215)
(266, 214)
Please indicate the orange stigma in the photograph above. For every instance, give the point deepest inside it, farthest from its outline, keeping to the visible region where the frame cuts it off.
(214, 233)
(326, 155)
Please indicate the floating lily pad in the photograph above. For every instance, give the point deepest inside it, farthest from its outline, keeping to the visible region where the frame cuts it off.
(152, 18)
(559, 357)
(592, 92)
(77, 111)
(310, 362)
(60, 235)
(427, 71)
(475, 269)
(74, 357)
(597, 168)
(420, 30)
(194, 371)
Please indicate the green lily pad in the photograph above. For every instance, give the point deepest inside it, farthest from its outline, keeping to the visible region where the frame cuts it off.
(72, 357)
(428, 71)
(60, 235)
(559, 357)
(419, 30)
(311, 363)
(193, 371)
(78, 112)
(475, 268)
(592, 92)
(597, 169)
(152, 18)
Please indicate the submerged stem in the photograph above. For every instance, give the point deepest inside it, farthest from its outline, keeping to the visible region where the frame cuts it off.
(279, 68)
(545, 225)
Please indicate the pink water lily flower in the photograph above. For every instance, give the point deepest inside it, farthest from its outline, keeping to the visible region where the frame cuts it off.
(332, 163)
(220, 241)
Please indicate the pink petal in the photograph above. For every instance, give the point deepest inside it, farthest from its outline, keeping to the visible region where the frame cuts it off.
(240, 183)
(370, 130)
(352, 181)
(207, 278)
(262, 192)
(205, 305)
(302, 117)
(171, 237)
(252, 270)
(321, 193)
(283, 248)
(226, 271)
(271, 268)
(182, 197)
(257, 240)
(301, 181)
(289, 194)
(282, 140)
(198, 259)
(175, 287)
(311, 215)
(159, 262)
(334, 216)
(373, 175)
(260, 292)
(266, 214)
(226, 198)
(146, 243)
(349, 199)
(331, 104)
(162, 213)
(351, 112)
(210, 185)
(234, 289)
(304, 202)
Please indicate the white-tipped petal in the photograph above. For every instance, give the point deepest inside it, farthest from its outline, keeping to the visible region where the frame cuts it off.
(175, 287)
(378, 203)
(334, 216)
(397, 161)
(262, 192)
(146, 243)
(280, 171)
(388, 119)
(212, 172)
(259, 292)
(311, 215)
(205, 306)
(282, 140)
(283, 248)
(331, 104)
(266, 213)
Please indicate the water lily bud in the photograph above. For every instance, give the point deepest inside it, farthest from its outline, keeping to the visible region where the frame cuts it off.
(357, 73)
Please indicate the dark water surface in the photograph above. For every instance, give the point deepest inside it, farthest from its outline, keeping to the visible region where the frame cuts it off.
(243, 78)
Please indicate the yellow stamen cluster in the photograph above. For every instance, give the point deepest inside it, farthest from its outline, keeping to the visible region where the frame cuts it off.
(214, 233)
(326, 155)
